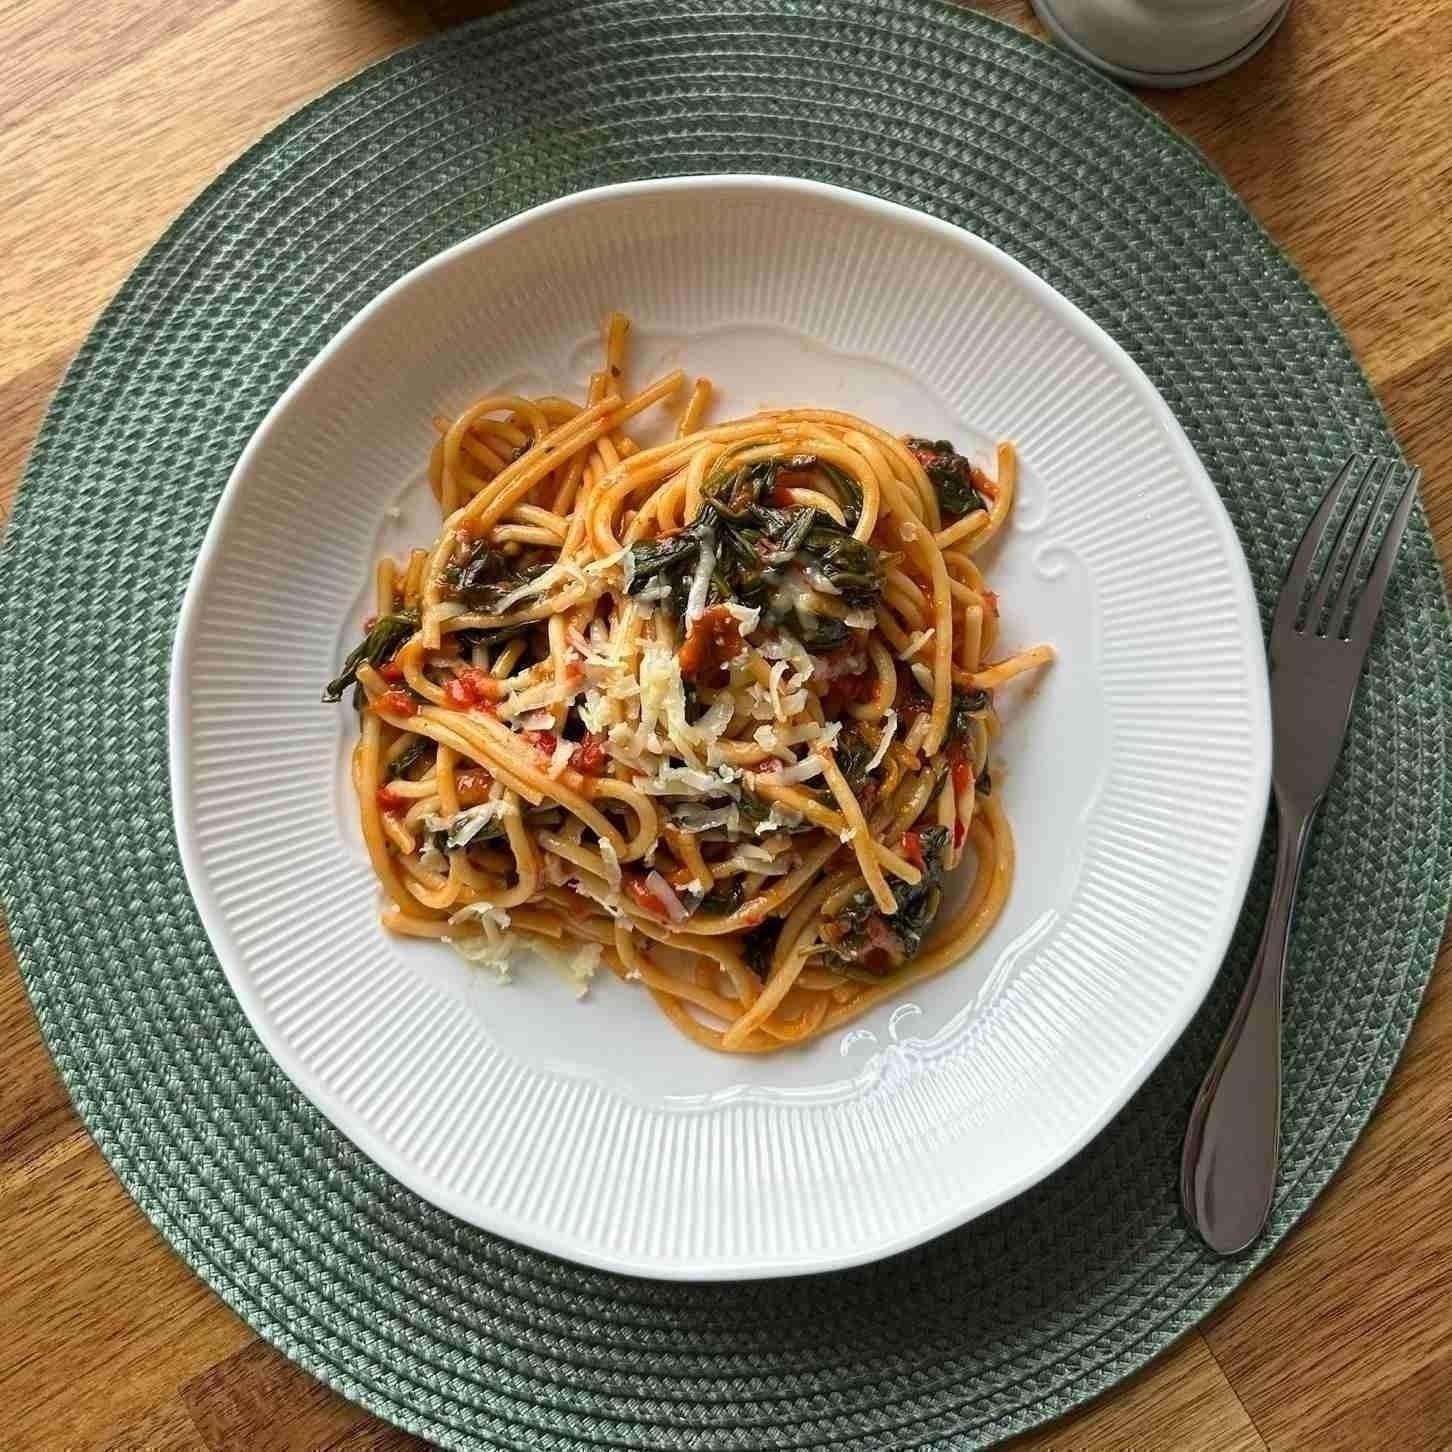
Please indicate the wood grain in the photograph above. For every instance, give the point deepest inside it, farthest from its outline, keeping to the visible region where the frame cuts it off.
(1337, 137)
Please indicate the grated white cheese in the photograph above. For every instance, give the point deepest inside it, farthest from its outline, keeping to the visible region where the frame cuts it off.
(467, 824)
(772, 867)
(759, 702)
(587, 649)
(550, 692)
(779, 819)
(560, 758)
(582, 966)
(915, 643)
(889, 726)
(694, 817)
(769, 738)
(717, 719)
(778, 675)
(491, 919)
(747, 618)
(804, 770)
(670, 780)
(610, 860)
(923, 676)
(480, 951)
(536, 586)
(787, 647)
(701, 580)
(594, 712)
(663, 702)
(776, 739)
(489, 948)
(665, 894)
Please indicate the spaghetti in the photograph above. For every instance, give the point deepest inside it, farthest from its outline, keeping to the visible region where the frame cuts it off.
(715, 713)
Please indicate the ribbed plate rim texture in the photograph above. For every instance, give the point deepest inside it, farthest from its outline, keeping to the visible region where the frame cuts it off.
(211, 700)
(442, 1330)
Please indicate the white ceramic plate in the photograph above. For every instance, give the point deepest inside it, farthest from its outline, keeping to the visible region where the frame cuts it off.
(1135, 772)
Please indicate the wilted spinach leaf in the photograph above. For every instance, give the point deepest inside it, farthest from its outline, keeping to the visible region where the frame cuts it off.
(487, 575)
(411, 754)
(852, 753)
(724, 897)
(965, 704)
(758, 944)
(868, 945)
(492, 635)
(781, 561)
(377, 648)
(950, 474)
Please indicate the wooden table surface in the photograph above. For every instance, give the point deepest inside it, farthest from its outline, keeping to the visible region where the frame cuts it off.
(112, 117)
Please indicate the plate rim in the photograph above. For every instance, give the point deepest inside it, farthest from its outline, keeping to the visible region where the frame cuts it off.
(340, 1114)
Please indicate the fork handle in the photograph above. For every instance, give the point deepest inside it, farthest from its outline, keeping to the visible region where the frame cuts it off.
(1232, 1144)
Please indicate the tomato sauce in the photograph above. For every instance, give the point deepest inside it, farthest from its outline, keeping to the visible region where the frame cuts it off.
(714, 642)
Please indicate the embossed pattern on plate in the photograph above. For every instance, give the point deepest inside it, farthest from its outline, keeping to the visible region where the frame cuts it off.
(1135, 773)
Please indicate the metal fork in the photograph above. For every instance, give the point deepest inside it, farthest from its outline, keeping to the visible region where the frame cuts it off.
(1319, 640)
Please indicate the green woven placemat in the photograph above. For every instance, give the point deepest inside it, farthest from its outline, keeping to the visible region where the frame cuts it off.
(441, 1328)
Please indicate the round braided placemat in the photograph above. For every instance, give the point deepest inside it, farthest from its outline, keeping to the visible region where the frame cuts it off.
(471, 1340)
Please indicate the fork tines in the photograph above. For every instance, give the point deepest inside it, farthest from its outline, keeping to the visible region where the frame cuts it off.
(1338, 578)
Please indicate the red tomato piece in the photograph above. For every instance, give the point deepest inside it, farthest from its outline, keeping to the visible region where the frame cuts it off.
(396, 703)
(589, 756)
(644, 896)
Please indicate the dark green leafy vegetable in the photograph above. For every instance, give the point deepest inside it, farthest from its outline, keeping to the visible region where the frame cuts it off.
(753, 810)
(853, 752)
(758, 945)
(849, 496)
(414, 752)
(464, 833)
(784, 533)
(965, 705)
(724, 897)
(783, 561)
(671, 560)
(487, 575)
(490, 636)
(848, 493)
(868, 945)
(950, 474)
(817, 632)
(377, 648)
(851, 566)
(459, 834)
